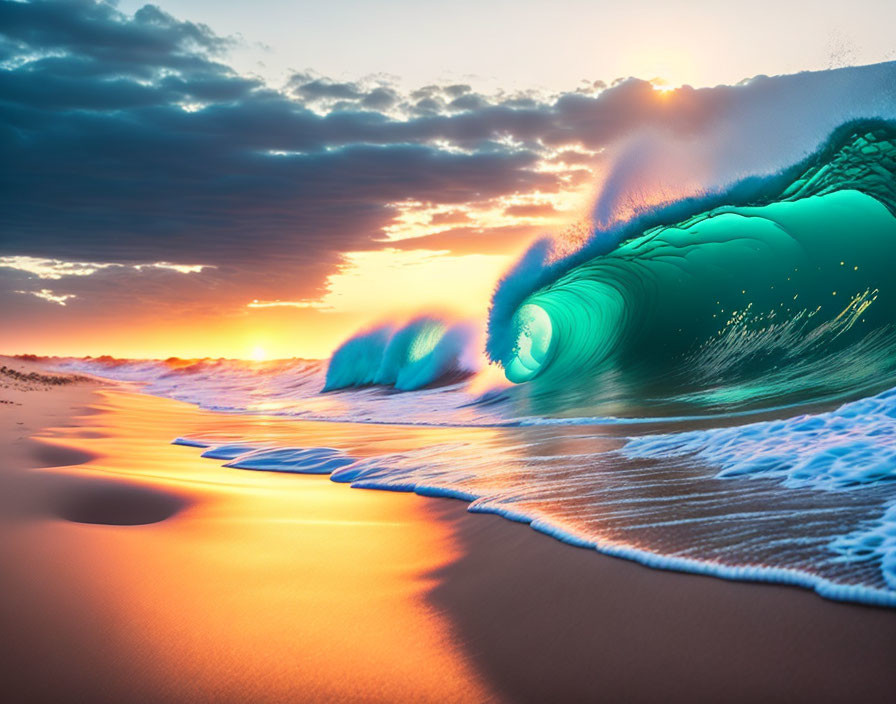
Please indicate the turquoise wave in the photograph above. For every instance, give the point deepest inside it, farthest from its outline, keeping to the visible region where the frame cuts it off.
(423, 352)
(780, 288)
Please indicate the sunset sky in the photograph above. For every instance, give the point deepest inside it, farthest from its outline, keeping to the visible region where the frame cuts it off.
(262, 178)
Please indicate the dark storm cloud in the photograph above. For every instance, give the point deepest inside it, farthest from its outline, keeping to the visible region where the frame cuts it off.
(91, 30)
(127, 139)
(468, 101)
(456, 90)
(317, 89)
(381, 98)
(124, 141)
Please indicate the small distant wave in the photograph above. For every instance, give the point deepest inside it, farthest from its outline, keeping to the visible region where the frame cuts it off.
(425, 351)
(292, 387)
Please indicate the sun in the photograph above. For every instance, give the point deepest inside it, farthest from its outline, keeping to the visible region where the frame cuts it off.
(258, 354)
(663, 87)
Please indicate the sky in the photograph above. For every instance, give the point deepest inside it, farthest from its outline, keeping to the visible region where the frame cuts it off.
(531, 44)
(226, 179)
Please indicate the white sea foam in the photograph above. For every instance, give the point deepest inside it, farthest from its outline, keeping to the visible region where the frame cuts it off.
(874, 543)
(851, 446)
(313, 460)
(228, 451)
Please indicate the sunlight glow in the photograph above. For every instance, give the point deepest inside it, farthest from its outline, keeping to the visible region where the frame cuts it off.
(401, 281)
(664, 89)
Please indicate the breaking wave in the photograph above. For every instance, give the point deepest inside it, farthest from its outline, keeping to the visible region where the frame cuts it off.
(779, 289)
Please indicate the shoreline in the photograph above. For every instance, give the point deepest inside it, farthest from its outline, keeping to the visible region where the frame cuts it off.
(551, 621)
(225, 586)
(512, 614)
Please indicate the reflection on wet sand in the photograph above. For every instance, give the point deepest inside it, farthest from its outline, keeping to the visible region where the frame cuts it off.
(231, 585)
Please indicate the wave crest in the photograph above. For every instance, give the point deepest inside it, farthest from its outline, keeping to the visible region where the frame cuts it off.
(426, 351)
(785, 272)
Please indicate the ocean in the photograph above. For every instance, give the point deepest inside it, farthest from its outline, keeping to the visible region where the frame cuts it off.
(709, 386)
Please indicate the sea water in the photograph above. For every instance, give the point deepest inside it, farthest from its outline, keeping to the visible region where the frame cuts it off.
(707, 387)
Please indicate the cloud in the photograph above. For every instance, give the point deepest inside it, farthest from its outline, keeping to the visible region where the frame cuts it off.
(126, 141)
(382, 98)
(179, 268)
(322, 88)
(449, 217)
(57, 269)
(47, 295)
(468, 101)
(283, 304)
(51, 268)
(531, 210)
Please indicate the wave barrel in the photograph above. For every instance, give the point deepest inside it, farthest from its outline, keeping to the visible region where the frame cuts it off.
(793, 274)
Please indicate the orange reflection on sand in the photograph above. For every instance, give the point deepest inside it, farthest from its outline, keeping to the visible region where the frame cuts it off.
(264, 587)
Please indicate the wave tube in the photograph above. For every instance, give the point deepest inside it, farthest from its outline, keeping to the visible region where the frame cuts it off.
(423, 352)
(791, 272)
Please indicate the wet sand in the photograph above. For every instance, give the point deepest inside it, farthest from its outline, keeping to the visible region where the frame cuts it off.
(141, 572)
(134, 570)
(546, 621)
